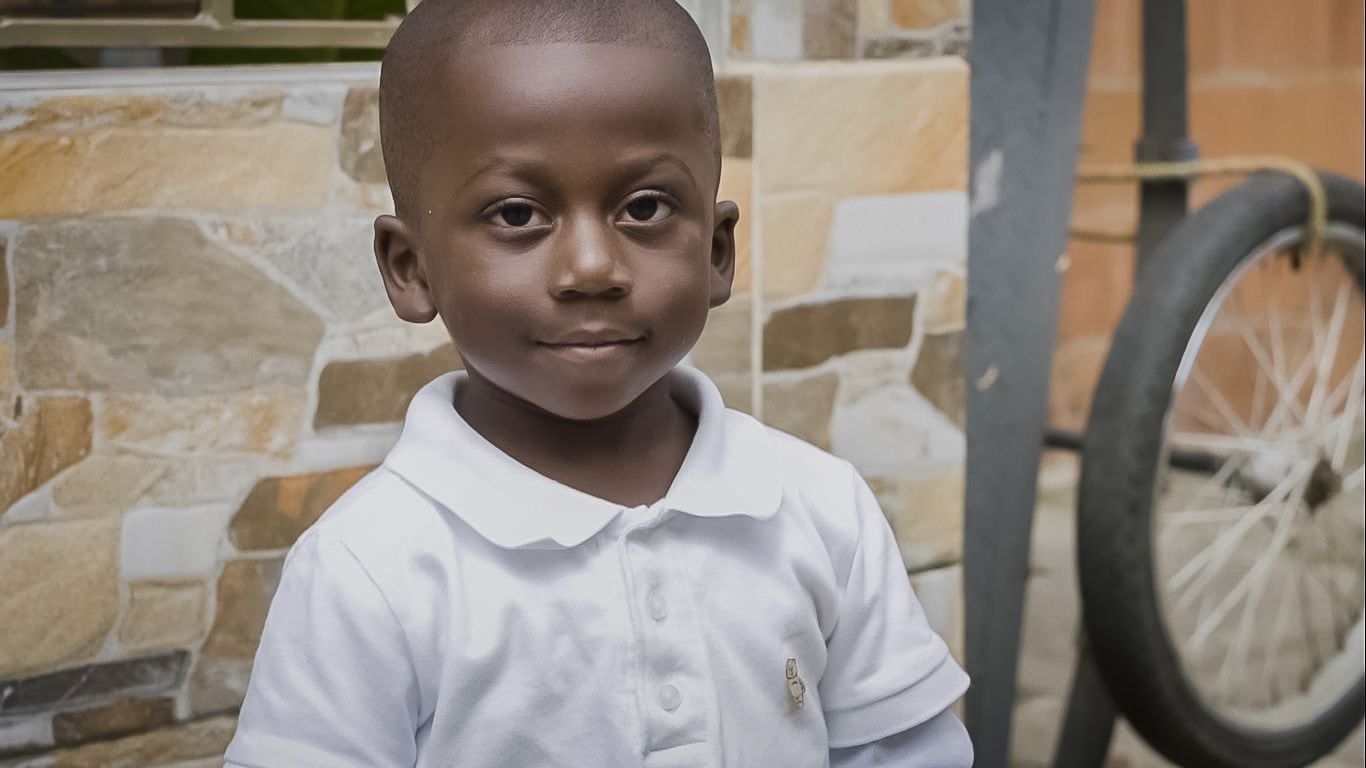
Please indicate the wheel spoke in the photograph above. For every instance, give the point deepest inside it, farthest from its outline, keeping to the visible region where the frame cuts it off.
(1273, 650)
(1352, 481)
(1354, 399)
(1221, 444)
(1219, 402)
(1236, 656)
(1326, 355)
(1209, 560)
(1250, 580)
(1270, 370)
(1206, 516)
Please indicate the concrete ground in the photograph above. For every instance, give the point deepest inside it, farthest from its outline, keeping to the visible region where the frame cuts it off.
(1049, 639)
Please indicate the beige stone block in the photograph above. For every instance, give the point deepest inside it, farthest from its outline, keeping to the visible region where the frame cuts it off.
(49, 435)
(829, 28)
(203, 480)
(938, 374)
(796, 241)
(264, 421)
(736, 391)
(377, 391)
(807, 335)
(737, 185)
(119, 718)
(725, 344)
(874, 17)
(245, 589)
(802, 406)
(105, 485)
(223, 669)
(278, 509)
(150, 306)
(360, 153)
(863, 128)
(944, 304)
(285, 165)
(191, 108)
(926, 514)
(735, 108)
(162, 615)
(58, 593)
(922, 14)
(739, 33)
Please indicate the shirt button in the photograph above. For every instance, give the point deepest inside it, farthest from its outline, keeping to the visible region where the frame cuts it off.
(669, 697)
(659, 608)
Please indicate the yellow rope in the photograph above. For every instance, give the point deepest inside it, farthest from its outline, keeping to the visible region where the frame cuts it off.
(1223, 166)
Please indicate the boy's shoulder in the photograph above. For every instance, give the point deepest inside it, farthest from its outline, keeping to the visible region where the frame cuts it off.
(377, 517)
(805, 470)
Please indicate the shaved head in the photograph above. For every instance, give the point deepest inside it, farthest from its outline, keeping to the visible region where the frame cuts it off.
(417, 69)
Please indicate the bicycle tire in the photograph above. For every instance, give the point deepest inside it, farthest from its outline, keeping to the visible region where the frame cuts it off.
(1123, 619)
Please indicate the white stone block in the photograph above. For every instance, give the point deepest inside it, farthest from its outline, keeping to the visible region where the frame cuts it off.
(893, 432)
(316, 104)
(895, 242)
(172, 542)
(34, 731)
(775, 29)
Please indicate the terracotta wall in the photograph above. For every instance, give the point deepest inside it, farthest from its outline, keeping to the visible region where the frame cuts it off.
(1267, 77)
(158, 457)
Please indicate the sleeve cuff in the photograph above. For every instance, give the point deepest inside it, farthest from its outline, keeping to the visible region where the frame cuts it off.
(911, 706)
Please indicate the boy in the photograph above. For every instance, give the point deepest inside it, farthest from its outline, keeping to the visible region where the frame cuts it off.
(575, 555)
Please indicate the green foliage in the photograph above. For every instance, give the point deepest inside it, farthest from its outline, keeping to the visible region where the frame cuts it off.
(335, 10)
(350, 10)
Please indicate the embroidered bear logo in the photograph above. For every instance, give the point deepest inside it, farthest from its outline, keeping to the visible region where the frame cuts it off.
(796, 688)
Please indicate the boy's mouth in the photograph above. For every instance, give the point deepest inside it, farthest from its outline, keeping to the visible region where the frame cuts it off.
(591, 345)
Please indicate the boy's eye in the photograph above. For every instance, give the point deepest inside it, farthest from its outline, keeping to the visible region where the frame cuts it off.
(647, 208)
(517, 215)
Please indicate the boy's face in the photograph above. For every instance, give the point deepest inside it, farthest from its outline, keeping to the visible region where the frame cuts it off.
(568, 233)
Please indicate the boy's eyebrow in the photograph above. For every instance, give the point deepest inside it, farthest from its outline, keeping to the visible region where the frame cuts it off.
(502, 162)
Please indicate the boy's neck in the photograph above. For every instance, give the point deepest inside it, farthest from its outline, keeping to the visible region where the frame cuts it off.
(630, 458)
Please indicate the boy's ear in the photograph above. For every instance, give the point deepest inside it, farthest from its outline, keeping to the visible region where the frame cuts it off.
(404, 279)
(723, 251)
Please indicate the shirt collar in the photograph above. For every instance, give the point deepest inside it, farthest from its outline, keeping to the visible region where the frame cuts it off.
(727, 471)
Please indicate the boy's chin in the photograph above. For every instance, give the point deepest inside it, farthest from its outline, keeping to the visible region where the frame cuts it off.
(588, 403)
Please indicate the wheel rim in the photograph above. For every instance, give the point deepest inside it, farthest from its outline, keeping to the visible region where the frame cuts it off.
(1258, 510)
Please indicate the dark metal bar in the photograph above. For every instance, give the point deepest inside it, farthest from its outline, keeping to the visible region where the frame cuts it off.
(1185, 459)
(1091, 713)
(1029, 61)
(1090, 720)
(1166, 129)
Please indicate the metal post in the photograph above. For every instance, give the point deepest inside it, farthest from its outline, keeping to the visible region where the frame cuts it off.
(1091, 714)
(1166, 129)
(1029, 62)
(1090, 719)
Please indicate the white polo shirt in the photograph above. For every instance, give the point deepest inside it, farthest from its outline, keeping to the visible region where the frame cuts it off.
(456, 608)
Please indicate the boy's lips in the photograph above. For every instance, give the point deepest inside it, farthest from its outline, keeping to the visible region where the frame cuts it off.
(592, 345)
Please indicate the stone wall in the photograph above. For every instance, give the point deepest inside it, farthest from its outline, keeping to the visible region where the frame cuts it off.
(197, 357)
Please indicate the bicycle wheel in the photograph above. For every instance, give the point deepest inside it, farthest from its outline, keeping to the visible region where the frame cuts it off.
(1220, 508)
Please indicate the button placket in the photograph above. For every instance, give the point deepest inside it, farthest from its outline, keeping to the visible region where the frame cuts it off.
(669, 685)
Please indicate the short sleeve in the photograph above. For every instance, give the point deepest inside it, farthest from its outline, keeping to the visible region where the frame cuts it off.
(333, 683)
(886, 670)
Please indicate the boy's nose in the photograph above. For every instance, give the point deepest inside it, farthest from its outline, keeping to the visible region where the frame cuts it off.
(587, 264)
